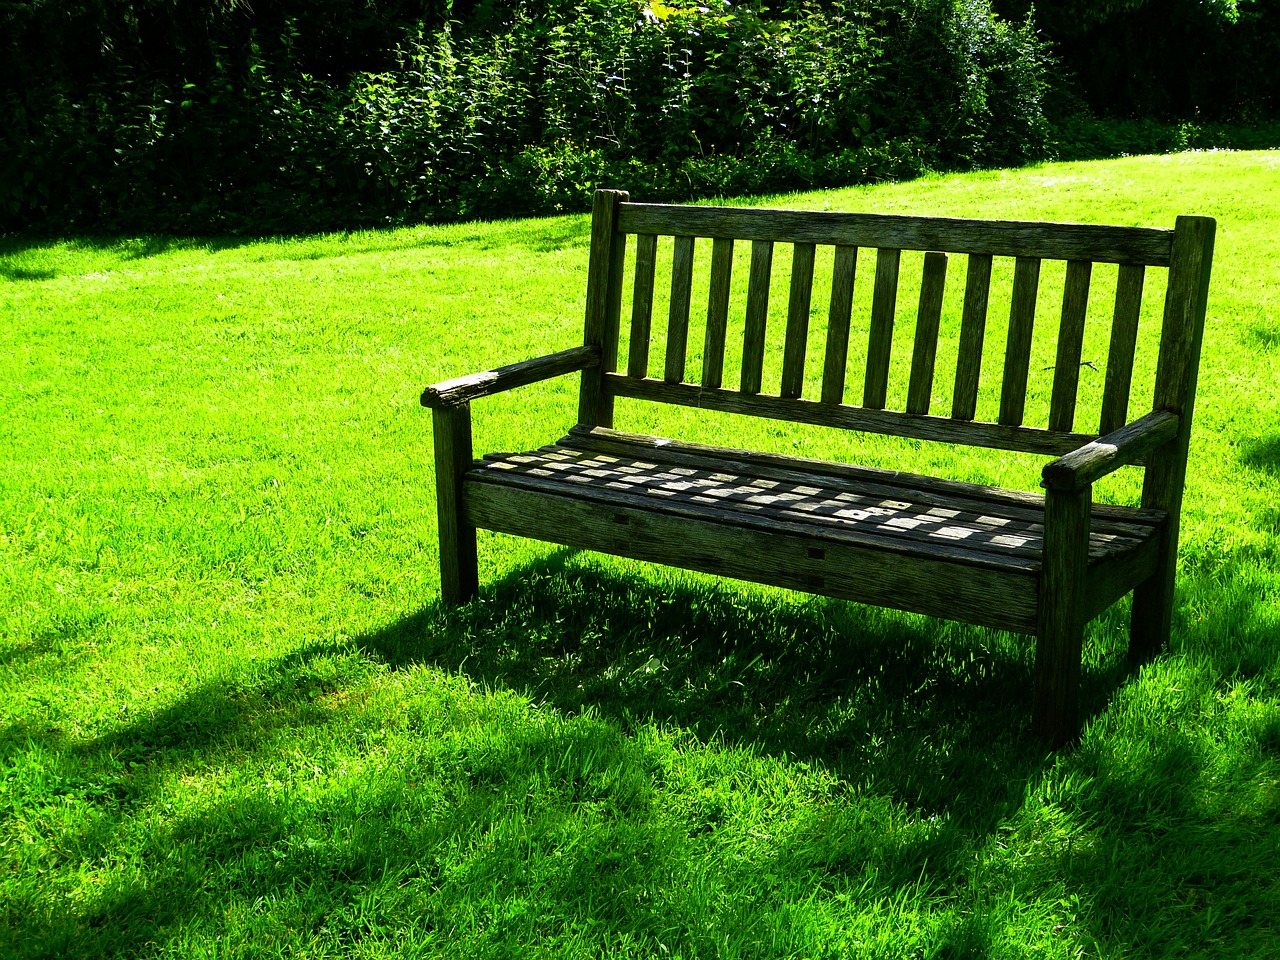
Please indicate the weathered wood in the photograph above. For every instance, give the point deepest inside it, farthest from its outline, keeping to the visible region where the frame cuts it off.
(1177, 371)
(678, 309)
(1017, 355)
(459, 577)
(842, 476)
(928, 317)
(889, 422)
(604, 292)
(884, 305)
(717, 312)
(697, 537)
(462, 390)
(797, 341)
(837, 354)
(1007, 238)
(1080, 468)
(757, 316)
(1124, 340)
(1066, 370)
(642, 305)
(1060, 622)
(1010, 559)
(973, 325)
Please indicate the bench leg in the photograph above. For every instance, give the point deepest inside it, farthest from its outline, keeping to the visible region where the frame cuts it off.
(459, 577)
(1060, 632)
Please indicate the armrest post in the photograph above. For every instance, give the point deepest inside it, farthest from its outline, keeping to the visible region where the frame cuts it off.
(1060, 627)
(459, 575)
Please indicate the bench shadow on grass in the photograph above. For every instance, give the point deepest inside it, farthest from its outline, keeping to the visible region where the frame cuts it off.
(928, 716)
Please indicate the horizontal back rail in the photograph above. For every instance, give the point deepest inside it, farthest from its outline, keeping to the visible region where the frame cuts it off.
(1150, 246)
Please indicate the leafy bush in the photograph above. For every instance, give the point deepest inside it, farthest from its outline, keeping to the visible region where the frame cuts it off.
(524, 109)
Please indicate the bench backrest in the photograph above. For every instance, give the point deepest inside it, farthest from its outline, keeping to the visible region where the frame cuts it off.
(861, 401)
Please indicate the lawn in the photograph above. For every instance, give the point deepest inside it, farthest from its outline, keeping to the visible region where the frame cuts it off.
(234, 720)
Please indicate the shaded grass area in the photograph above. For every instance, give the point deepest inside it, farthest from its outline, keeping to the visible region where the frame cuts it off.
(234, 719)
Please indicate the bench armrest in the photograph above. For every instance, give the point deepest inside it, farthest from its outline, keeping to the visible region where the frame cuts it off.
(1082, 466)
(454, 393)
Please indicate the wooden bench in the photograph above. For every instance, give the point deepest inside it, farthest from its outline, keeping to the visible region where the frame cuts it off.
(1042, 564)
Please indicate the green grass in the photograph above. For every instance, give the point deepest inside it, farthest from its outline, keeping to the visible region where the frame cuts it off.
(234, 720)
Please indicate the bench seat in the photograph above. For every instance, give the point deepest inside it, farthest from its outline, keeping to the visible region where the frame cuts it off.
(945, 548)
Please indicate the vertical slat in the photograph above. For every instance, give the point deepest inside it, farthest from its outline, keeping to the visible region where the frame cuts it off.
(757, 315)
(973, 326)
(1177, 371)
(459, 579)
(1124, 340)
(1066, 370)
(717, 312)
(925, 350)
(642, 305)
(837, 357)
(884, 304)
(604, 305)
(678, 315)
(797, 319)
(1017, 354)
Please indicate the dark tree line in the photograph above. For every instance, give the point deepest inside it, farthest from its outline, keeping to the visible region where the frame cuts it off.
(287, 115)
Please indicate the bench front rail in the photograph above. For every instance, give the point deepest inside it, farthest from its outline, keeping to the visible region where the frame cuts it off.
(1042, 564)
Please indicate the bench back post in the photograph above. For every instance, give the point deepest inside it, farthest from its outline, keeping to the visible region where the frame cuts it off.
(604, 305)
(1175, 391)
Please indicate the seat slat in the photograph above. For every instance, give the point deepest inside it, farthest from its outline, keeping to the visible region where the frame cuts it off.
(798, 320)
(1017, 356)
(642, 305)
(973, 325)
(925, 351)
(757, 316)
(1066, 370)
(678, 314)
(837, 355)
(884, 304)
(1124, 338)
(717, 312)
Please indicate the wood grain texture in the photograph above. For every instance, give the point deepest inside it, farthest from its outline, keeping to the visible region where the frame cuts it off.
(1111, 517)
(928, 316)
(600, 327)
(884, 305)
(797, 341)
(1017, 355)
(1080, 468)
(473, 386)
(700, 537)
(973, 326)
(678, 311)
(1176, 374)
(1124, 340)
(642, 305)
(1066, 369)
(717, 312)
(889, 422)
(1060, 622)
(838, 316)
(1003, 238)
(753, 336)
(459, 577)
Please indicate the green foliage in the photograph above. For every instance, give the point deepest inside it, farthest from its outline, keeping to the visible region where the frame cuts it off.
(524, 110)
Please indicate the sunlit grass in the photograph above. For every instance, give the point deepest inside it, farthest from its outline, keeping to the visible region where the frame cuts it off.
(234, 721)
